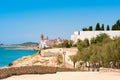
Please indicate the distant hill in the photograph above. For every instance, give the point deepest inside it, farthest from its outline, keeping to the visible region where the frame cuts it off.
(1, 44)
(31, 44)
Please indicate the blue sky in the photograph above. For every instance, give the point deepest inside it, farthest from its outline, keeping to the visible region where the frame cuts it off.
(25, 20)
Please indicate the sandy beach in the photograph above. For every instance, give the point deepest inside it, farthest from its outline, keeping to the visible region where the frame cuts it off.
(68, 76)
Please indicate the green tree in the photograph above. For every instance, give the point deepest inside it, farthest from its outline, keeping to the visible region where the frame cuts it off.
(97, 27)
(108, 28)
(118, 24)
(74, 59)
(103, 51)
(66, 44)
(101, 37)
(86, 43)
(96, 56)
(90, 28)
(102, 28)
(85, 55)
(70, 43)
(80, 44)
(114, 27)
(85, 29)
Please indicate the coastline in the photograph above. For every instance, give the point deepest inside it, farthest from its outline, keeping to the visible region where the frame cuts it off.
(64, 75)
(21, 48)
(47, 57)
(11, 53)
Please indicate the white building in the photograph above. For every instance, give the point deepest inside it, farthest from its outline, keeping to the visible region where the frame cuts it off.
(45, 42)
(90, 34)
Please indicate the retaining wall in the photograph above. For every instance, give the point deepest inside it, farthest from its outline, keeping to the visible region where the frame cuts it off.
(109, 70)
(6, 72)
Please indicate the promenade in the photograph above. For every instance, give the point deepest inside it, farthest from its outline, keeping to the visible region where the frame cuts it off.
(68, 76)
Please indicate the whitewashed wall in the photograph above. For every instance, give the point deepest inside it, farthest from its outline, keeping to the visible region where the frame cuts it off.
(90, 34)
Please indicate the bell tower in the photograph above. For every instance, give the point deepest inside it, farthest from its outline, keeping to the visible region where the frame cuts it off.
(41, 37)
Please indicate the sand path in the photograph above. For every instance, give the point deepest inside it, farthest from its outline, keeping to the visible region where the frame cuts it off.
(69, 76)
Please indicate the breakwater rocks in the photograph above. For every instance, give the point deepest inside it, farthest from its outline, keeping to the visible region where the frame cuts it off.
(10, 71)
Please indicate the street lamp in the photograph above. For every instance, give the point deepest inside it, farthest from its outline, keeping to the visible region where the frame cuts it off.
(64, 53)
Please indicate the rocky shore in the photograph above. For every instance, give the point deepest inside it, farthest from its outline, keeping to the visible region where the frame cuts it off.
(35, 59)
(47, 57)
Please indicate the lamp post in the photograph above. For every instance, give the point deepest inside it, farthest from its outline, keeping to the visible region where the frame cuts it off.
(64, 53)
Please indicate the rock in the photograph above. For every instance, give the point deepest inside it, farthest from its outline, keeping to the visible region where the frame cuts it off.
(10, 64)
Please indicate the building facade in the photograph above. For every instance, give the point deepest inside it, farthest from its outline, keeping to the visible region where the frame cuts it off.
(45, 42)
(90, 34)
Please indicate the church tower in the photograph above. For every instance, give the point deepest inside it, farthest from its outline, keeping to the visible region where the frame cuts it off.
(41, 37)
(41, 40)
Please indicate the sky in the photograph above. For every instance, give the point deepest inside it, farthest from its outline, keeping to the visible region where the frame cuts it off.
(25, 20)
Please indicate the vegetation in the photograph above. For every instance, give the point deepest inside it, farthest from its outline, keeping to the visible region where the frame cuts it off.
(65, 44)
(74, 59)
(97, 27)
(102, 28)
(88, 29)
(108, 28)
(59, 59)
(116, 26)
(101, 52)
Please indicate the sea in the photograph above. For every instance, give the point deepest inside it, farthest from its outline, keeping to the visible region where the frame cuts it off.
(8, 55)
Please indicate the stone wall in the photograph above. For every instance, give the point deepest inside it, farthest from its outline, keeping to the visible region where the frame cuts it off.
(109, 70)
(6, 72)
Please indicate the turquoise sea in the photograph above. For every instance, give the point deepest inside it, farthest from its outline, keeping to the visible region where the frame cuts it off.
(8, 55)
